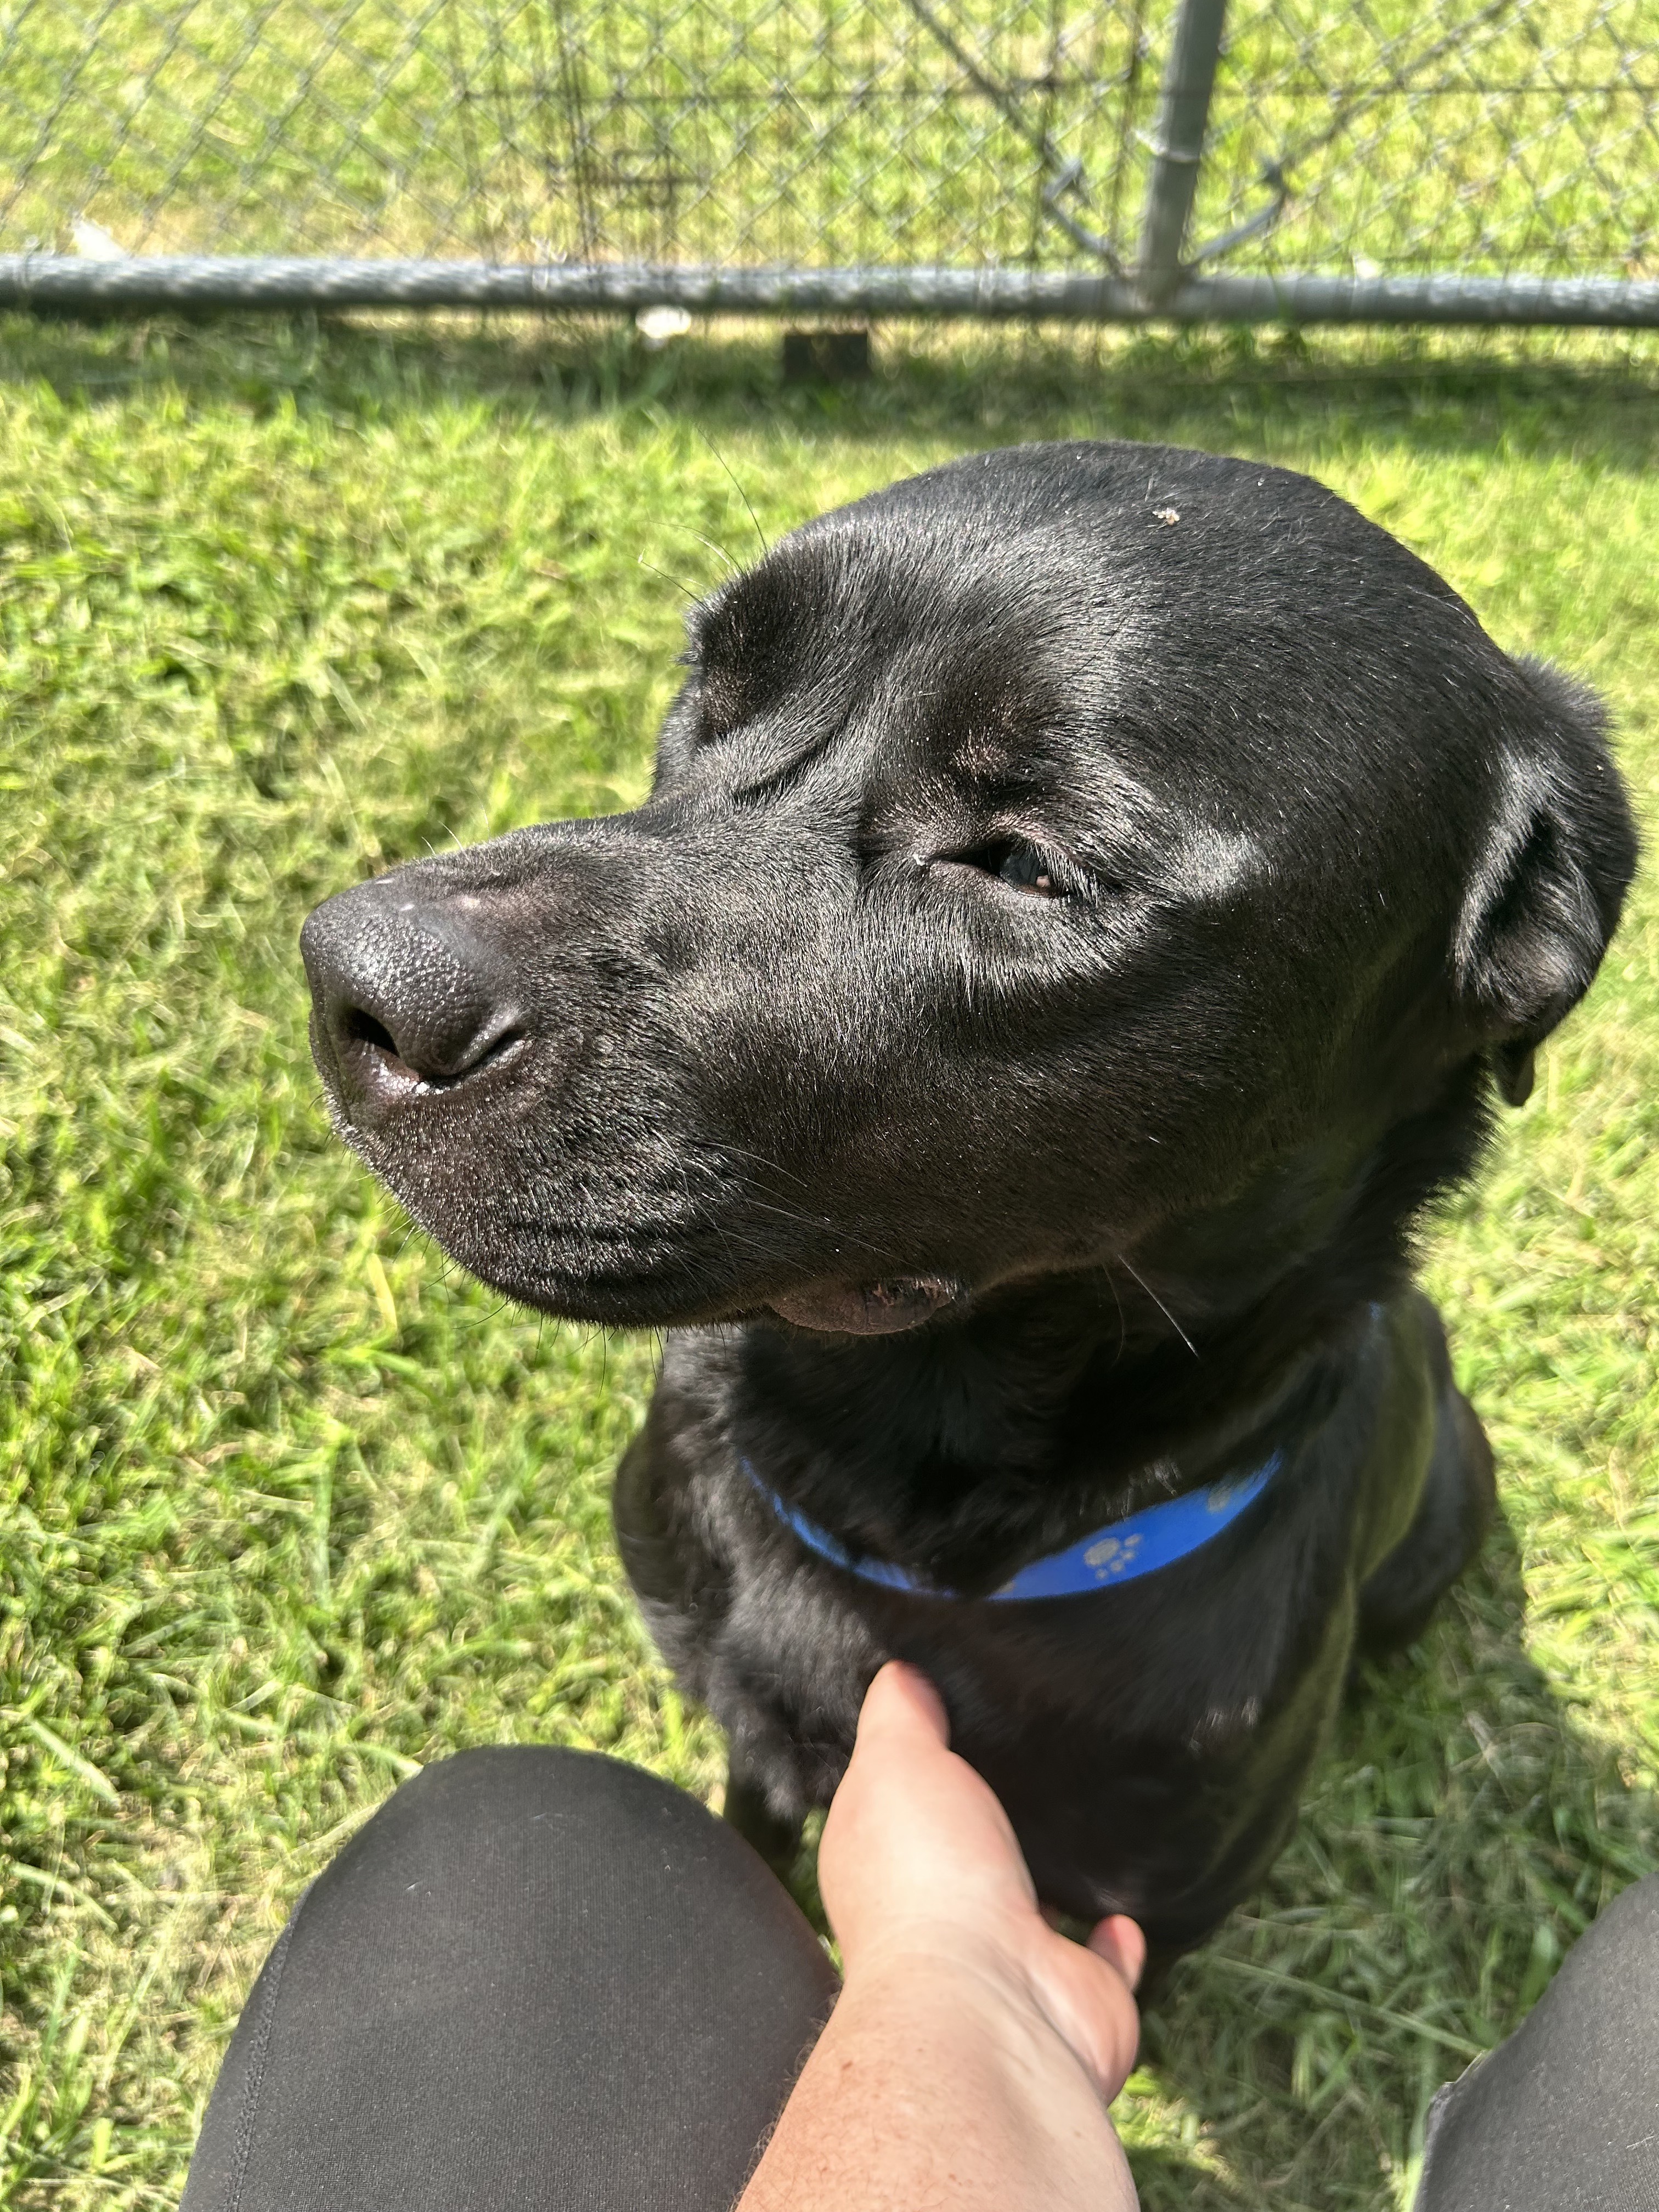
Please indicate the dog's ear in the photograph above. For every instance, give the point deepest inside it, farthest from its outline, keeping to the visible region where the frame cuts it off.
(1545, 896)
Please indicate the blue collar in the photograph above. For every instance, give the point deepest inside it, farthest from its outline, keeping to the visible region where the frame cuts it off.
(1122, 1552)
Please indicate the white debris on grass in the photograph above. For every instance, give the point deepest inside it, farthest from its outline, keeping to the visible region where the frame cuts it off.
(657, 325)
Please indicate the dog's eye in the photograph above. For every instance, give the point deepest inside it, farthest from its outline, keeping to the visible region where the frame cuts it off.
(1023, 867)
(1013, 861)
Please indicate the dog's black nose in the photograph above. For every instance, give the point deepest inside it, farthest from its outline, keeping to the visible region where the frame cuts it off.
(408, 996)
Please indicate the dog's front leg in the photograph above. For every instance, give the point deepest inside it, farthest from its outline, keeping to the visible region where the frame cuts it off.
(1455, 1509)
(684, 1598)
(748, 1809)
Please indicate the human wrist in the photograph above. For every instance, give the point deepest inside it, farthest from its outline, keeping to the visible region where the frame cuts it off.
(1080, 1994)
(965, 1983)
(967, 2053)
(940, 2069)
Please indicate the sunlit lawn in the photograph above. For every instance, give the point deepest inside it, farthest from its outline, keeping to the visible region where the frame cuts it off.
(290, 1508)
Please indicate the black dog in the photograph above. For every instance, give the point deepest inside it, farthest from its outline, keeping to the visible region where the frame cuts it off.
(1088, 895)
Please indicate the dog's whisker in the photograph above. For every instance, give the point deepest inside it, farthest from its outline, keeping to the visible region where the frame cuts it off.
(726, 1232)
(742, 494)
(719, 553)
(667, 579)
(884, 1253)
(1122, 1325)
(724, 1148)
(1159, 1303)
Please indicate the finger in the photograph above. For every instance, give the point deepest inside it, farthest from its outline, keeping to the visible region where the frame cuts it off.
(1118, 1940)
(902, 1703)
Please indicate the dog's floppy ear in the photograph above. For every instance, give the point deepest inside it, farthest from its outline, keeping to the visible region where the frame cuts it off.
(1545, 896)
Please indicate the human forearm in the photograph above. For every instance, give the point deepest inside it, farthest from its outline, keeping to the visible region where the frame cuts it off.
(942, 2082)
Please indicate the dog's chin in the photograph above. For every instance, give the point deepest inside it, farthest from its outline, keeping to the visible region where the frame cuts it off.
(882, 1308)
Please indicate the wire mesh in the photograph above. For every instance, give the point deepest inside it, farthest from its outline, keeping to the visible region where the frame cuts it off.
(1485, 136)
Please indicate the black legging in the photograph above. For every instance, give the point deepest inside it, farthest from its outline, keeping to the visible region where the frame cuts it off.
(542, 1981)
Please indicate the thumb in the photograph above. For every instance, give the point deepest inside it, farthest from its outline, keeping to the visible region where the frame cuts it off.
(902, 1705)
(1119, 1941)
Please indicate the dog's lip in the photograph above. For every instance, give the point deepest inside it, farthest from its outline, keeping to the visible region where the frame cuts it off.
(878, 1309)
(659, 1288)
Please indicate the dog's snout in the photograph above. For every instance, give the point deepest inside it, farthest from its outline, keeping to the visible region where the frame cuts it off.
(409, 996)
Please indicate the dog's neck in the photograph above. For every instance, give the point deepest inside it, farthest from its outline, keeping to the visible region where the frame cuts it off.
(1009, 1429)
(1059, 1403)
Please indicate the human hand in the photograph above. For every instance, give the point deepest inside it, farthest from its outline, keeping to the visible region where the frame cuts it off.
(920, 1872)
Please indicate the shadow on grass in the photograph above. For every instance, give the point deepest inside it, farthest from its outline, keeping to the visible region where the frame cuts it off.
(1460, 1836)
(1461, 1833)
(1445, 391)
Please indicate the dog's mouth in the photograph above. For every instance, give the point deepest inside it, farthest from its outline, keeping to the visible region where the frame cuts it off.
(881, 1309)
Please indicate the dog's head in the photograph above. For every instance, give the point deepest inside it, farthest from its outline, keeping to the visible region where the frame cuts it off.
(1048, 856)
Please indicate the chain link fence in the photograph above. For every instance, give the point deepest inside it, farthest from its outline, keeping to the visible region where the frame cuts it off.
(1484, 161)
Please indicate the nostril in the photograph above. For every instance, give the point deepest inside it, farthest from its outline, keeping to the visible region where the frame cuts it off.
(364, 1029)
(436, 1062)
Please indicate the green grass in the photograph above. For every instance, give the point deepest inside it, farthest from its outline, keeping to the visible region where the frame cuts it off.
(288, 1506)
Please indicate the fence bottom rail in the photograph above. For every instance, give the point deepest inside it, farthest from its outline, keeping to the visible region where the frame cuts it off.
(145, 282)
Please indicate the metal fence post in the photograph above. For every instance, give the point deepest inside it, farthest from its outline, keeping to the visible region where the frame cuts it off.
(1183, 111)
